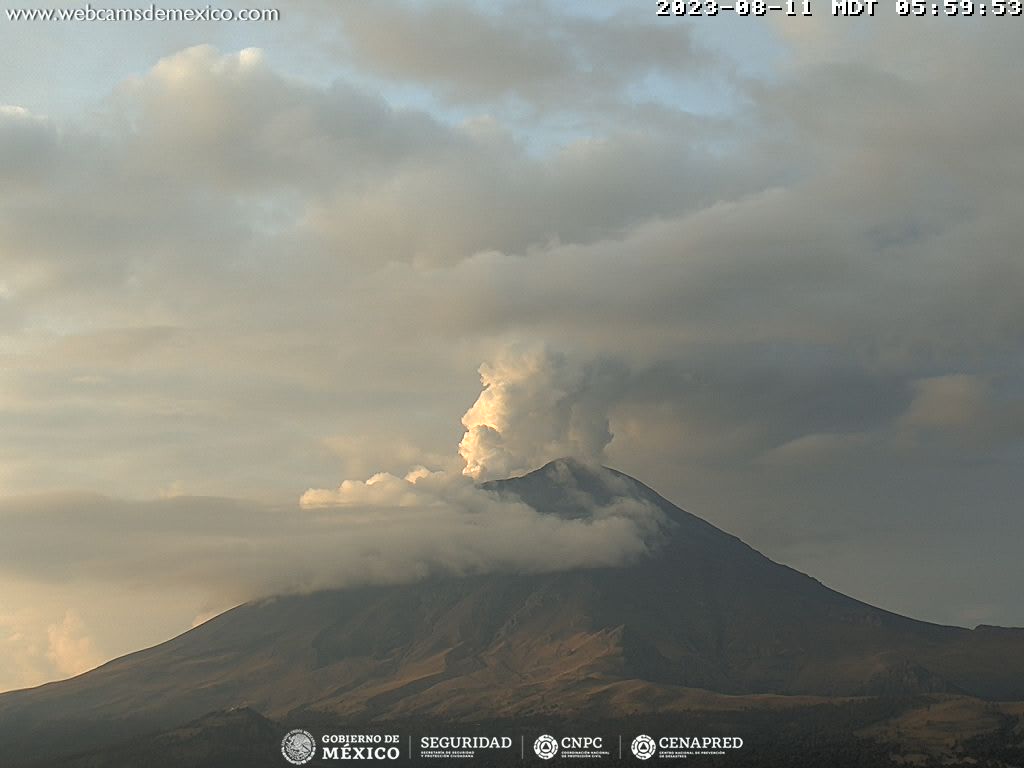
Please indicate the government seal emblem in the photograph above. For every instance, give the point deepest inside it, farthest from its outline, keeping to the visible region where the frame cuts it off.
(298, 747)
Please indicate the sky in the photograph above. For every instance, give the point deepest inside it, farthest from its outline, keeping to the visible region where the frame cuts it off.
(281, 288)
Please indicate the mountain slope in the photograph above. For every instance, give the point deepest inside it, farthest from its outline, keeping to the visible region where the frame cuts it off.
(704, 611)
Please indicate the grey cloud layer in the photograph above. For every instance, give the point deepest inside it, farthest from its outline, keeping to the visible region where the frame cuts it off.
(532, 52)
(385, 530)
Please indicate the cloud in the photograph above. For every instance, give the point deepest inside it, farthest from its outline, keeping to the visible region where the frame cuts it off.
(36, 646)
(23, 660)
(532, 52)
(537, 406)
(955, 401)
(86, 619)
(387, 529)
(178, 561)
(253, 130)
(204, 255)
(70, 649)
(817, 448)
(28, 145)
(963, 413)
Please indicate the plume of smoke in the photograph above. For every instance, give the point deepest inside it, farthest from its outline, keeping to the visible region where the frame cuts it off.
(536, 406)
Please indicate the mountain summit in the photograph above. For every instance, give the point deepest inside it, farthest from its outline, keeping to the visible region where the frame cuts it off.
(702, 611)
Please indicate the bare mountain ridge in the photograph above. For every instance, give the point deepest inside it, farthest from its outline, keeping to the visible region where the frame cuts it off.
(704, 611)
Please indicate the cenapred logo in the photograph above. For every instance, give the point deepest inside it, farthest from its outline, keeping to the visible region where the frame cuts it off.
(546, 747)
(643, 747)
(298, 746)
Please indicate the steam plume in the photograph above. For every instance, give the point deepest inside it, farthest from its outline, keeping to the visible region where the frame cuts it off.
(537, 406)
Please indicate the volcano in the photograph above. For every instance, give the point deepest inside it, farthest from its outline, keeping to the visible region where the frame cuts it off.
(703, 620)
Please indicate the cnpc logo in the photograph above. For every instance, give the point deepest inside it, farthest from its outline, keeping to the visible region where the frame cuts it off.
(547, 746)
